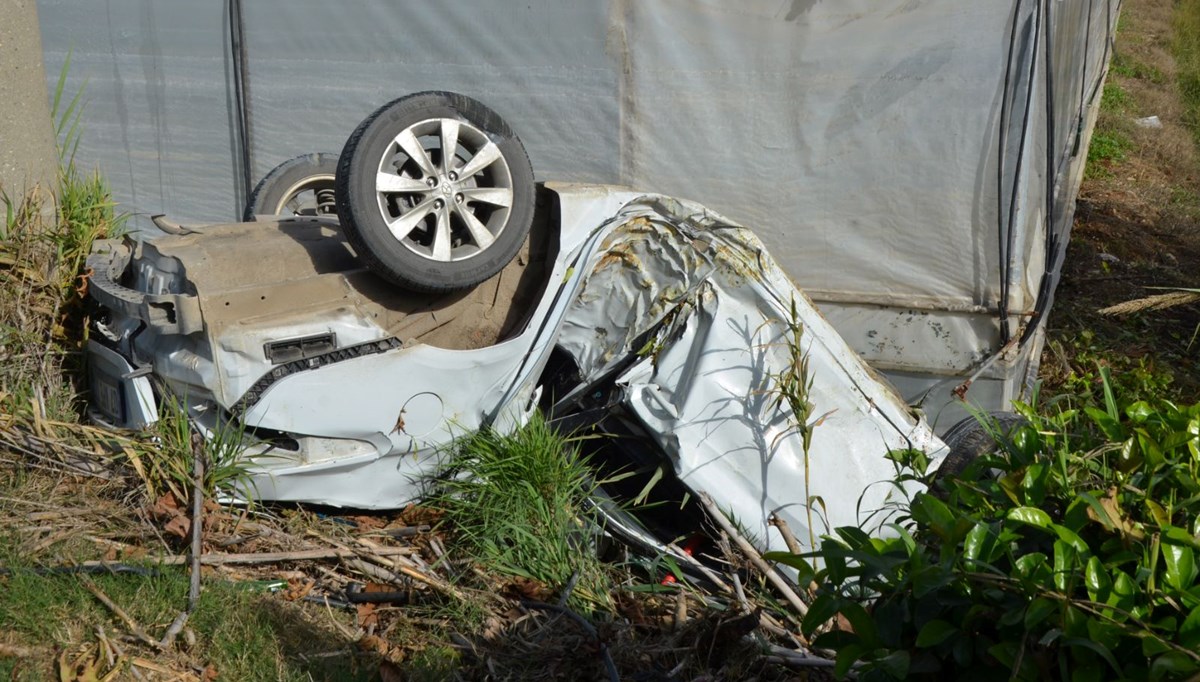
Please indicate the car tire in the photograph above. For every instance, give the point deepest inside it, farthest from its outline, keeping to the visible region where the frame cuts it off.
(425, 218)
(971, 439)
(304, 185)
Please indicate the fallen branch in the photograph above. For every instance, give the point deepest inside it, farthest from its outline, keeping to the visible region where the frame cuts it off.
(197, 520)
(609, 666)
(162, 669)
(788, 538)
(251, 557)
(753, 555)
(15, 651)
(375, 556)
(130, 623)
(796, 660)
(116, 649)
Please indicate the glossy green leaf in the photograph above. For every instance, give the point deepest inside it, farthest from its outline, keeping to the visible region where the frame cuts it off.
(1180, 562)
(1172, 664)
(1189, 630)
(895, 664)
(934, 513)
(1097, 580)
(847, 656)
(1108, 425)
(1095, 647)
(1069, 536)
(1158, 513)
(855, 538)
(1031, 516)
(1123, 593)
(1140, 411)
(804, 569)
(978, 544)
(1028, 564)
(1174, 535)
(1065, 557)
(1035, 483)
(1193, 443)
(824, 607)
(861, 622)
(1104, 633)
(1039, 609)
(935, 632)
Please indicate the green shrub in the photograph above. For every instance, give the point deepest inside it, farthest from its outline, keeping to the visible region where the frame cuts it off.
(1070, 554)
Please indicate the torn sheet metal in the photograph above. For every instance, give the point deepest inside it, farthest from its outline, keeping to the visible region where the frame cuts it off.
(722, 318)
(349, 398)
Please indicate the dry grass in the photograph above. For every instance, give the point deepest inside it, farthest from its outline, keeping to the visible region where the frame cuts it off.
(1136, 225)
(73, 495)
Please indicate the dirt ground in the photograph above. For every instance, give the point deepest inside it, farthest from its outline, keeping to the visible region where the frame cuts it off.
(1137, 224)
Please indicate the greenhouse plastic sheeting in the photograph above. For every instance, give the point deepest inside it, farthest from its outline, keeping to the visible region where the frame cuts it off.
(898, 157)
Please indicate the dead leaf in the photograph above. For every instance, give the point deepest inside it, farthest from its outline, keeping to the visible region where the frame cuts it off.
(180, 526)
(1117, 520)
(298, 588)
(209, 674)
(86, 667)
(166, 505)
(526, 588)
(379, 645)
(367, 616)
(414, 515)
(367, 523)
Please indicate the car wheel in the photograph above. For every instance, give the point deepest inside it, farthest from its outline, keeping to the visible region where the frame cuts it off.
(971, 439)
(303, 186)
(435, 192)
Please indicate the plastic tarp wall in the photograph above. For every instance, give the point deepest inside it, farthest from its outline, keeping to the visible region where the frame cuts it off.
(898, 157)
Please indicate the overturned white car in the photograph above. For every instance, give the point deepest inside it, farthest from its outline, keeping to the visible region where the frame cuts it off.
(650, 315)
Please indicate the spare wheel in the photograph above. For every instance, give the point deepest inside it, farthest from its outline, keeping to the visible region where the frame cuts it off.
(435, 192)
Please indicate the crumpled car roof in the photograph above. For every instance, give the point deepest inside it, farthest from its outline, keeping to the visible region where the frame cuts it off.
(709, 319)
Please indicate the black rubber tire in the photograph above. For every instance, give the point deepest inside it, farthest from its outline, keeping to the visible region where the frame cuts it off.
(969, 440)
(365, 227)
(289, 177)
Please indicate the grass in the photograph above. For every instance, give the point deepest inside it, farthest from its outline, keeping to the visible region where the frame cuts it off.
(243, 635)
(517, 504)
(1115, 99)
(43, 323)
(1128, 67)
(1108, 147)
(1186, 48)
(1110, 142)
(169, 469)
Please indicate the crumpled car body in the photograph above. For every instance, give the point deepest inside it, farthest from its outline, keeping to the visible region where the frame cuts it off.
(639, 311)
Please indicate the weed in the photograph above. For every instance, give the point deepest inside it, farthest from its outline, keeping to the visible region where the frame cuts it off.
(1114, 99)
(169, 468)
(1128, 67)
(1108, 146)
(42, 326)
(1186, 47)
(1090, 353)
(244, 636)
(517, 504)
(792, 387)
(1069, 554)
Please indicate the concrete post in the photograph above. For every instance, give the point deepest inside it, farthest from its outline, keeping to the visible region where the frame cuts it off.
(28, 157)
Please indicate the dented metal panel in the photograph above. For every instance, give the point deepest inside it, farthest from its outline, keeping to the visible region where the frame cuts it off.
(706, 385)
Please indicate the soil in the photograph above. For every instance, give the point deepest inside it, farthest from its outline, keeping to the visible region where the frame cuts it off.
(1137, 223)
